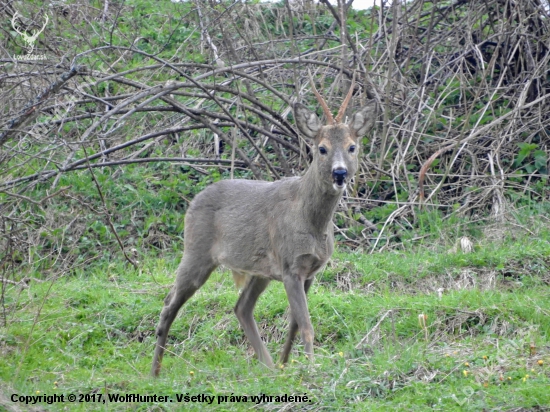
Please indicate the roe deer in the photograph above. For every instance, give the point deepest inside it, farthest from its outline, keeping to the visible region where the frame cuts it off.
(266, 231)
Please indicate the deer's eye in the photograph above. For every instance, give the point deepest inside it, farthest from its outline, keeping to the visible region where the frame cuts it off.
(322, 150)
(352, 149)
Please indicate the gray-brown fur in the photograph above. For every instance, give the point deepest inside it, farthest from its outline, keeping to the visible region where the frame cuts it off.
(266, 231)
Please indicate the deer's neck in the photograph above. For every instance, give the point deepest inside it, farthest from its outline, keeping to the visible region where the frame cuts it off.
(318, 200)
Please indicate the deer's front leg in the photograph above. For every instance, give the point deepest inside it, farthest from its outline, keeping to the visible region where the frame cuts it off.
(293, 329)
(295, 291)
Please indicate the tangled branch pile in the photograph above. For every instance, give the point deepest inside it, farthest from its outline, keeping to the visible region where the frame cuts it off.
(140, 104)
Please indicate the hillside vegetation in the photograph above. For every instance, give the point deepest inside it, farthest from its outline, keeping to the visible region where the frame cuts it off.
(141, 104)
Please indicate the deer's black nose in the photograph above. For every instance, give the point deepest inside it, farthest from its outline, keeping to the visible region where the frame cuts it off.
(339, 174)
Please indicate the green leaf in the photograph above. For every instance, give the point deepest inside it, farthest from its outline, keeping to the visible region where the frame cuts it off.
(541, 159)
(525, 150)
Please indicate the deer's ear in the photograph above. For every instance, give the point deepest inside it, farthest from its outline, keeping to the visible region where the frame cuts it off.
(363, 120)
(307, 121)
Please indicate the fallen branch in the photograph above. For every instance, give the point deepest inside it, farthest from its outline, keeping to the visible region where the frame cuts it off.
(375, 328)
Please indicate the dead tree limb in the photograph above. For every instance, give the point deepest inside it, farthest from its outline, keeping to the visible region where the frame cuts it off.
(30, 110)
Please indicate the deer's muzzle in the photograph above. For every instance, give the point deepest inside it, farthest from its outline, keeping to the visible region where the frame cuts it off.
(339, 176)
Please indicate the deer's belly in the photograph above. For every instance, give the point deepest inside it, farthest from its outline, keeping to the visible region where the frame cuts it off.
(256, 265)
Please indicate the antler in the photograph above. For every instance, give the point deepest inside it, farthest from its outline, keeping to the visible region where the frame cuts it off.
(324, 106)
(36, 33)
(13, 23)
(345, 103)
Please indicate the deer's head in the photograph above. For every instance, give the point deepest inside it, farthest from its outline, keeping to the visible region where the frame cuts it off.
(336, 144)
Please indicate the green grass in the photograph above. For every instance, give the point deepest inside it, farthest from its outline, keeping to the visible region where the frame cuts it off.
(487, 328)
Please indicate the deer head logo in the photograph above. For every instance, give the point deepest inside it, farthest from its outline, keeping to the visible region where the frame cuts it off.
(28, 39)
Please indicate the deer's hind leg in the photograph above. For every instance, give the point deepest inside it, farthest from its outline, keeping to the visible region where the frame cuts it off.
(244, 309)
(190, 276)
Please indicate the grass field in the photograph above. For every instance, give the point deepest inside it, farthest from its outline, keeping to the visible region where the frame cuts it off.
(426, 327)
